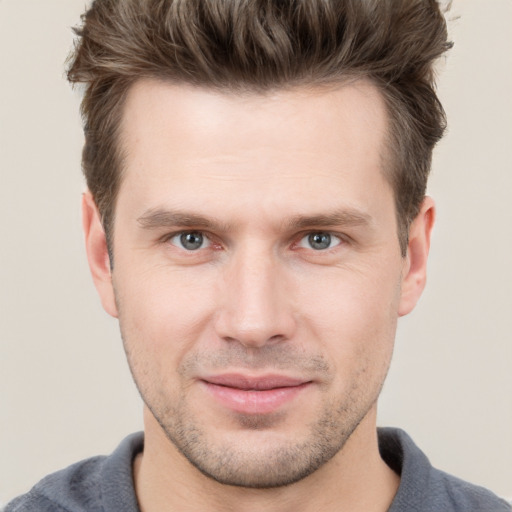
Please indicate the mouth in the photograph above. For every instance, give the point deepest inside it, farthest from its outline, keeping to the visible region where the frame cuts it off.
(254, 395)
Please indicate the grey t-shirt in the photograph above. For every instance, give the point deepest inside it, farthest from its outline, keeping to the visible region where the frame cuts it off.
(105, 484)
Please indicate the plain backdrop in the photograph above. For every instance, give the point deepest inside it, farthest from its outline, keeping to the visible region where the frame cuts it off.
(66, 392)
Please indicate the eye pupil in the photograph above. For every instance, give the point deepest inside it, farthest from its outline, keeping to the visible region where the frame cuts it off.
(191, 241)
(319, 241)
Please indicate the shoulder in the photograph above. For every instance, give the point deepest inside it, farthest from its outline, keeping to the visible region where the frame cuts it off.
(463, 496)
(67, 490)
(98, 484)
(424, 488)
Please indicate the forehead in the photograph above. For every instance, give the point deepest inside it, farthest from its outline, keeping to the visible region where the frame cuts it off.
(245, 147)
(197, 114)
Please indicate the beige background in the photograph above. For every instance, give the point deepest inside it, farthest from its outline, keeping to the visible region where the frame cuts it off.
(65, 390)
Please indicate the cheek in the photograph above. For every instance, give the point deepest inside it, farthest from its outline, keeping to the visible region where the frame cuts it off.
(162, 313)
(354, 316)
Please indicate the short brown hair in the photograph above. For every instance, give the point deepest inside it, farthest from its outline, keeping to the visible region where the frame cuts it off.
(259, 45)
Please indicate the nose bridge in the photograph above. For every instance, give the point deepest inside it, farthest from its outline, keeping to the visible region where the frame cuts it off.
(256, 310)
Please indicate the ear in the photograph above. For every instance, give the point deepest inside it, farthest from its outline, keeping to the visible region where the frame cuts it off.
(97, 253)
(414, 275)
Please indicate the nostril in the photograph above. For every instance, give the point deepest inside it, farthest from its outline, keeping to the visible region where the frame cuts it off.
(277, 338)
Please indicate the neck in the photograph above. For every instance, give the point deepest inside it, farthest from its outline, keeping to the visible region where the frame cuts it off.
(356, 479)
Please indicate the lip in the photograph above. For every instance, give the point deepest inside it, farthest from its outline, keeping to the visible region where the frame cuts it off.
(254, 395)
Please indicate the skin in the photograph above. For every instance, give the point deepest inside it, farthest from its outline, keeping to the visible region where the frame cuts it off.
(255, 175)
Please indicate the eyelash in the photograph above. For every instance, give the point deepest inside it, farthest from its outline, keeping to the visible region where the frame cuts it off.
(209, 239)
(204, 238)
(168, 239)
(331, 237)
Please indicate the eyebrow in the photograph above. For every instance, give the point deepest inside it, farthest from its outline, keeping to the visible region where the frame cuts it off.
(160, 218)
(342, 217)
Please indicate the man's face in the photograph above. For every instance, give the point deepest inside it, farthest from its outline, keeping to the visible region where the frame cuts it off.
(257, 272)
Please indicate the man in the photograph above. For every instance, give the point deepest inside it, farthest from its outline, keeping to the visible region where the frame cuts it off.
(257, 220)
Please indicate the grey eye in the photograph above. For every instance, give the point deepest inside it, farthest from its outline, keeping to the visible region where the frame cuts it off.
(190, 240)
(320, 241)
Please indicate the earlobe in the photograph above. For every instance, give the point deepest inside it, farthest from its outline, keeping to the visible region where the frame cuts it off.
(415, 266)
(97, 253)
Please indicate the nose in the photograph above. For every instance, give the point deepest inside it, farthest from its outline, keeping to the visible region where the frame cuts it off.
(256, 303)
